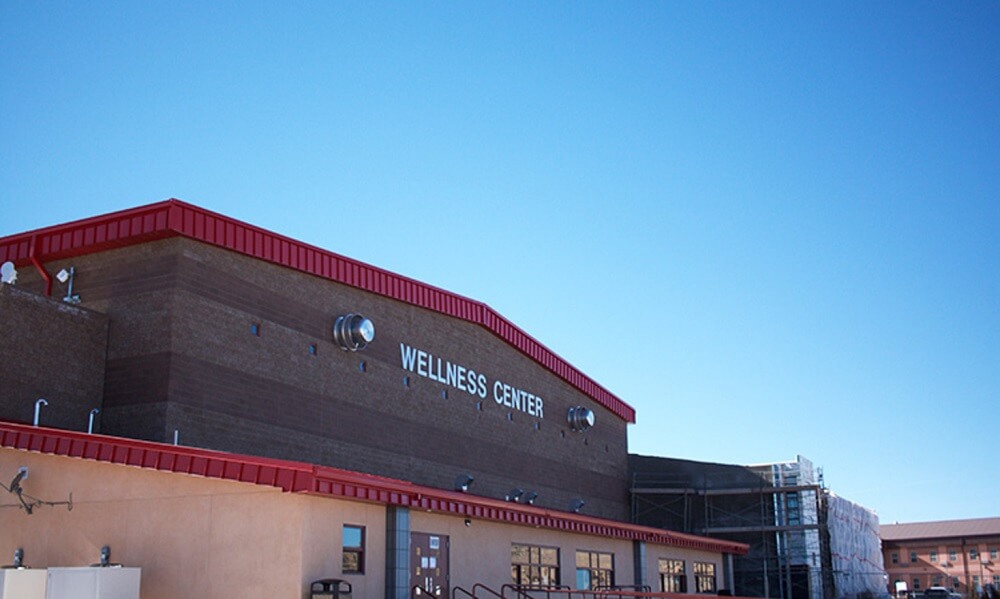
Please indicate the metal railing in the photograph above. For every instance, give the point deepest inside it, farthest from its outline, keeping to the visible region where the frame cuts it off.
(512, 591)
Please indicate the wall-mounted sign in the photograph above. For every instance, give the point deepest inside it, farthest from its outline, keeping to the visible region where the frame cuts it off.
(466, 379)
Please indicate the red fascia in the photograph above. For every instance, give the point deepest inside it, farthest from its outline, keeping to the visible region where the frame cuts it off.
(311, 479)
(176, 218)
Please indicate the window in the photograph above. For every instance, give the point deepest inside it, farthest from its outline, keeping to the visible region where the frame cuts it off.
(792, 509)
(993, 552)
(353, 541)
(594, 570)
(672, 576)
(954, 582)
(952, 556)
(916, 583)
(973, 554)
(704, 577)
(934, 556)
(913, 557)
(534, 566)
(895, 558)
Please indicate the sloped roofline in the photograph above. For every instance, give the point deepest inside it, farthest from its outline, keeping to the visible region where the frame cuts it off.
(312, 479)
(171, 218)
(940, 529)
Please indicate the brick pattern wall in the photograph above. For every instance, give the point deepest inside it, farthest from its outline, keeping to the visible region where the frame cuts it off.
(182, 356)
(50, 350)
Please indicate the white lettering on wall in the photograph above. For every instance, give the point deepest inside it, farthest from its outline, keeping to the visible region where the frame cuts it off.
(466, 379)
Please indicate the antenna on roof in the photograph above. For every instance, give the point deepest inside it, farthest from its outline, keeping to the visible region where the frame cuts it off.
(8, 272)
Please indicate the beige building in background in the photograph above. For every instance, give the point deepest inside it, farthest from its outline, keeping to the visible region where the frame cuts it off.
(961, 555)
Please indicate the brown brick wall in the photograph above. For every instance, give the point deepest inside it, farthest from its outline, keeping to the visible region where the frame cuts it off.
(181, 356)
(52, 350)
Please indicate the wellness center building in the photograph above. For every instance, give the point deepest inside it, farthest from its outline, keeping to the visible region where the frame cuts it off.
(237, 413)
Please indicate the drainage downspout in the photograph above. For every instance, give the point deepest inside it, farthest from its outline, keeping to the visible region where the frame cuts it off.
(38, 265)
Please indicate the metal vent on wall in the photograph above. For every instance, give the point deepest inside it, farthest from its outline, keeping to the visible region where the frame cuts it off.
(580, 418)
(353, 332)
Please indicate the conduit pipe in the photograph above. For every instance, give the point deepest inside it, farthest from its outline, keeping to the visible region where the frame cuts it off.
(38, 265)
(38, 408)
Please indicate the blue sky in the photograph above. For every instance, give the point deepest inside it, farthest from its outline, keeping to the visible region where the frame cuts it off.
(769, 227)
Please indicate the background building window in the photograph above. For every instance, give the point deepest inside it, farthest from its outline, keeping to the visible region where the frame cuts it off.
(895, 558)
(594, 570)
(534, 566)
(952, 556)
(954, 582)
(913, 557)
(973, 554)
(673, 579)
(993, 552)
(916, 583)
(353, 541)
(704, 577)
(934, 556)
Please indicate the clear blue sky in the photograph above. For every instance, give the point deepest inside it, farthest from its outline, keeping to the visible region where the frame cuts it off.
(772, 228)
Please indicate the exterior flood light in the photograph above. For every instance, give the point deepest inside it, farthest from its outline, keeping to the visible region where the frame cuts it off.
(353, 332)
(65, 276)
(105, 559)
(514, 495)
(577, 505)
(463, 482)
(580, 418)
(530, 498)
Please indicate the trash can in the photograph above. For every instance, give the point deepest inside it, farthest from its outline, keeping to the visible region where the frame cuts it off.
(330, 588)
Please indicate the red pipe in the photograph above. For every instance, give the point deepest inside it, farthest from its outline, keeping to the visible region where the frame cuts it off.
(41, 269)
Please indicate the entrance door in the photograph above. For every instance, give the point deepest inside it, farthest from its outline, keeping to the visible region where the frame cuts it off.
(429, 564)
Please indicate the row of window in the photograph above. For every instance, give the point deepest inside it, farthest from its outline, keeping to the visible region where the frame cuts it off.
(952, 555)
(535, 566)
(939, 580)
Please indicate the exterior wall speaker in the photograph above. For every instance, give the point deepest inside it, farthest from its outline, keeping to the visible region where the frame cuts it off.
(353, 332)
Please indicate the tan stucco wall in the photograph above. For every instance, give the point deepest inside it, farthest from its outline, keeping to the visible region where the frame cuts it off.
(192, 536)
(208, 538)
(322, 526)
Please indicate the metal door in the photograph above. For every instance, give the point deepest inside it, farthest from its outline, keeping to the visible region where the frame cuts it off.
(429, 564)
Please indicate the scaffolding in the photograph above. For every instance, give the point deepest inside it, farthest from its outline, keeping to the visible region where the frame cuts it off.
(781, 511)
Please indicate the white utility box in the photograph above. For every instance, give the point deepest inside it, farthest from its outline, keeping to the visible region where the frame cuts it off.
(22, 583)
(93, 583)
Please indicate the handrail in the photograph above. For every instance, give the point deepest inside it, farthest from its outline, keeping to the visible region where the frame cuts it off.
(457, 589)
(565, 592)
(482, 586)
(526, 591)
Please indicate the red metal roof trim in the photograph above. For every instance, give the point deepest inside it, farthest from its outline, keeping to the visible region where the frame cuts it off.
(174, 217)
(312, 479)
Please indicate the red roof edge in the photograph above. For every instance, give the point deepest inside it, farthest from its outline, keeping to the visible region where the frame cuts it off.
(173, 217)
(311, 479)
